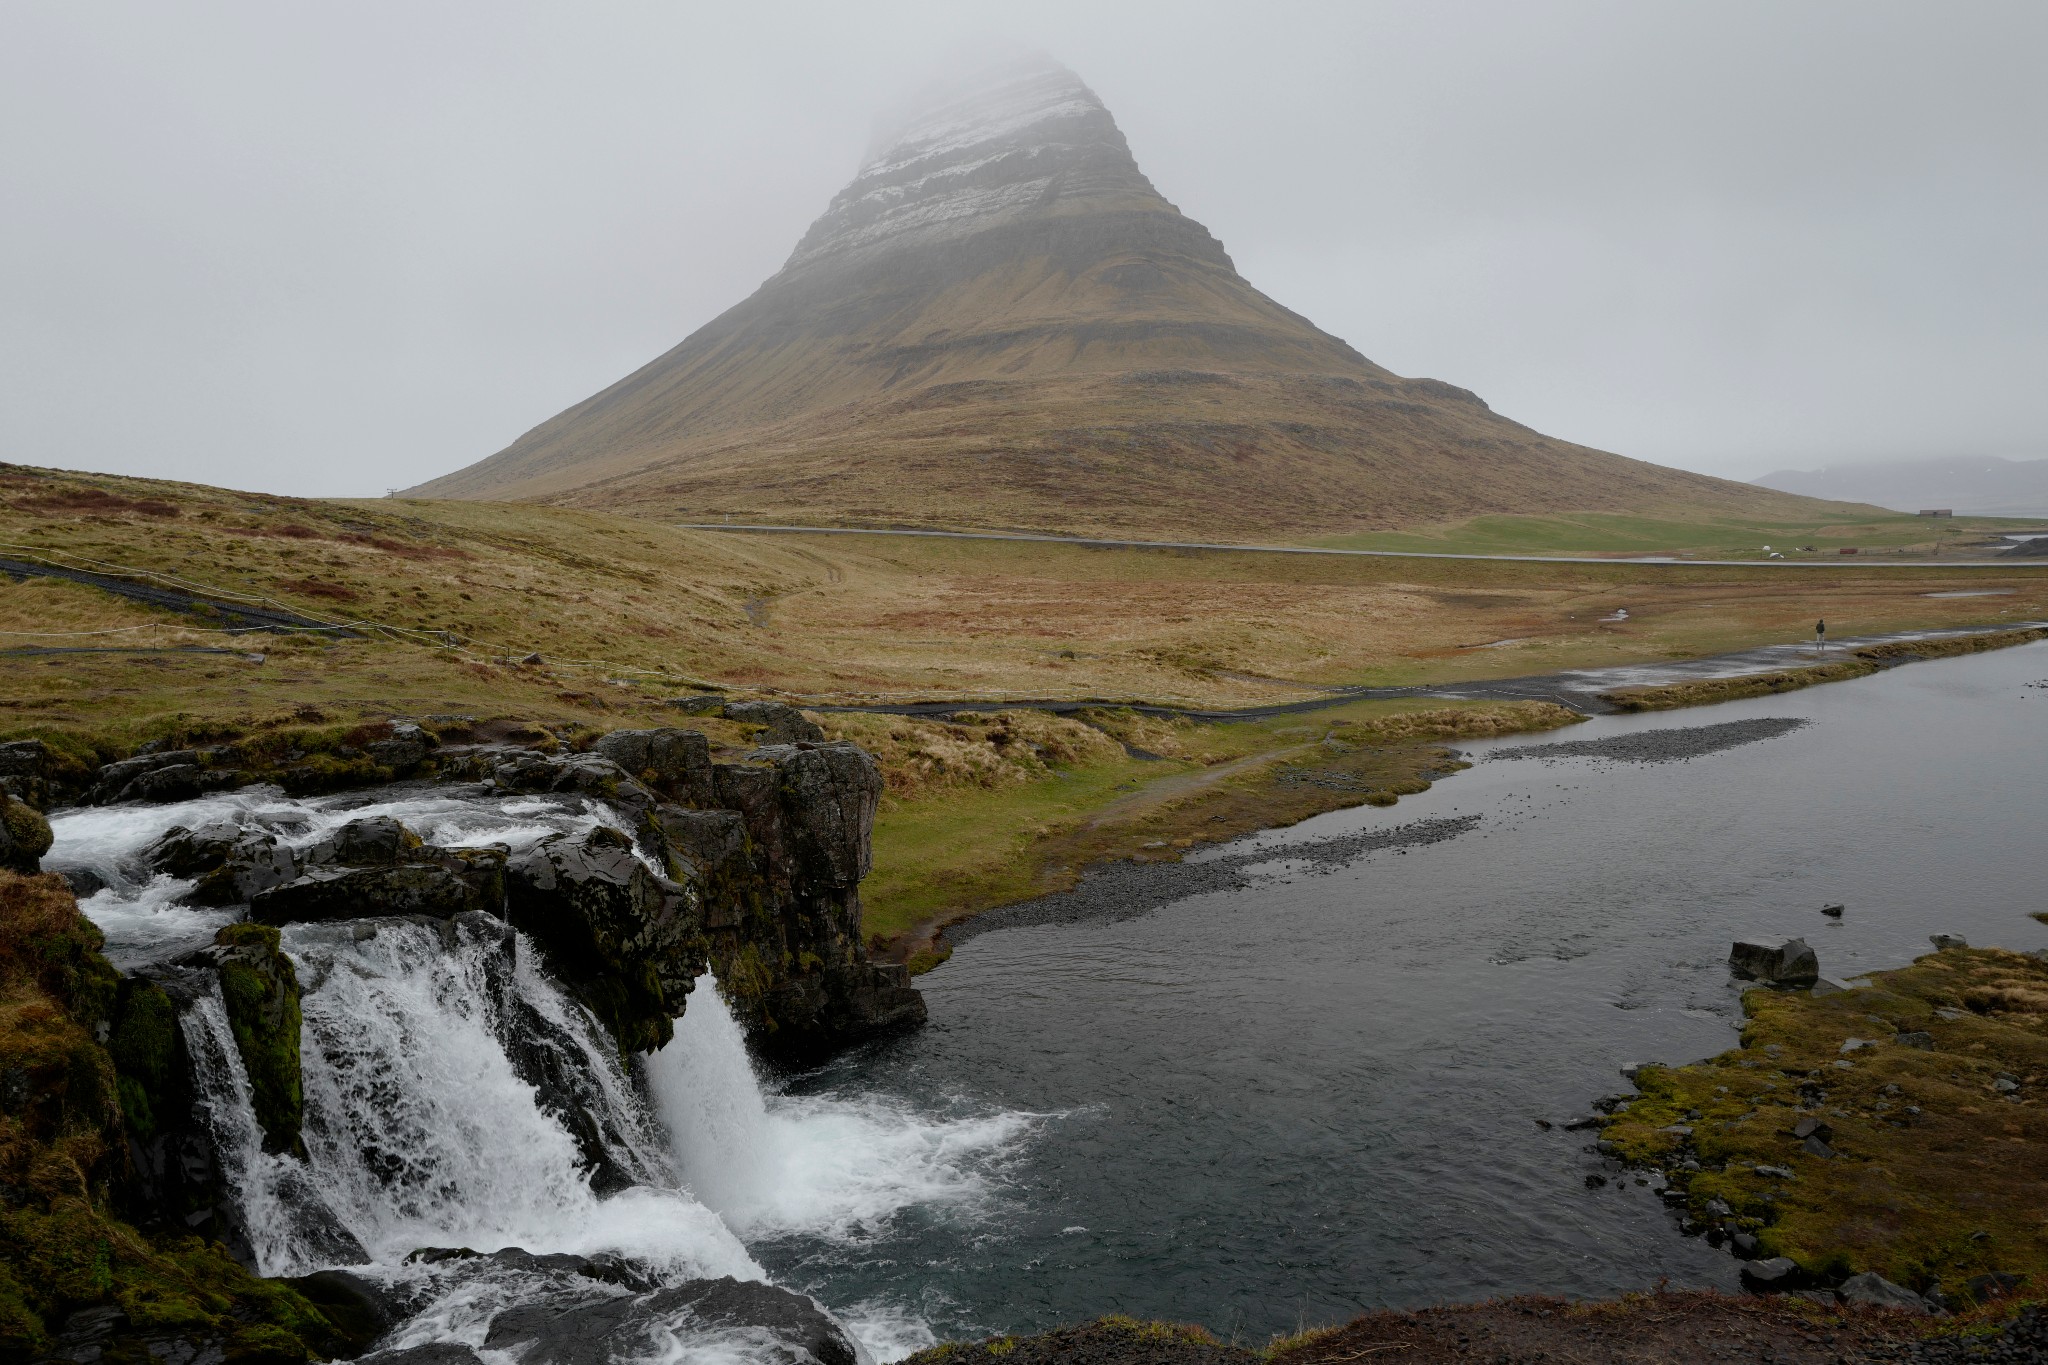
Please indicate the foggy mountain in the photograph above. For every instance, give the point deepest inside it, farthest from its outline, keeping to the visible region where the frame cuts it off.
(1001, 322)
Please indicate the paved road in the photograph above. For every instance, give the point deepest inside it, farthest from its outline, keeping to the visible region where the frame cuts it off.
(234, 615)
(1856, 562)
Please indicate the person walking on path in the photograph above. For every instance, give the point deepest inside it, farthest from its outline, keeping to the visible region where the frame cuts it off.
(1820, 635)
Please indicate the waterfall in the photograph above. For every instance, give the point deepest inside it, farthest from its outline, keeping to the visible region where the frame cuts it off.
(456, 1096)
(817, 1165)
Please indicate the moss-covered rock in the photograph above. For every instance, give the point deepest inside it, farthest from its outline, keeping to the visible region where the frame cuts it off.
(63, 1145)
(261, 991)
(24, 836)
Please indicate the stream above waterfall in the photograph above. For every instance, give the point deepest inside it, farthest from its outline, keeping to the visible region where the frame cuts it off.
(1306, 1091)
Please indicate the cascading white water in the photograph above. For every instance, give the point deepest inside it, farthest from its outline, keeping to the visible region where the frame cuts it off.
(828, 1166)
(420, 1129)
(422, 1132)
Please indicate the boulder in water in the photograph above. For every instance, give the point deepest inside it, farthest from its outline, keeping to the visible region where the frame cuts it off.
(624, 1328)
(374, 841)
(227, 862)
(1775, 961)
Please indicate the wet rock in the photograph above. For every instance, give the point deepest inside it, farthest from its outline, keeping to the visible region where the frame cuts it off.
(449, 882)
(24, 836)
(1772, 1275)
(1873, 1288)
(227, 862)
(1775, 961)
(781, 723)
(171, 775)
(709, 849)
(793, 1330)
(1833, 911)
(674, 763)
(375, 841)
(627, 942)
(1943, 942)
(433, 1353)
(361, 1311)
(1743, 1244)
(83, 881)
(260, 989)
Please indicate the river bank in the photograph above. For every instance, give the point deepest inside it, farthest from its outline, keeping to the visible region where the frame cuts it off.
(1649, 1329)
(1307, 1086)
(948, 856)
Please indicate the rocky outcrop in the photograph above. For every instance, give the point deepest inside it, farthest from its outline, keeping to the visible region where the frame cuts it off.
(378, 867)
(24, 771)
(628, 942)
(787, 947)
(167, 775)
(621, 1328)
(751, 868)
(260, 989)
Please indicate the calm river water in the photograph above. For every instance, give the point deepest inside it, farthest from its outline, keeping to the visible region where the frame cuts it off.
(1314, 1096)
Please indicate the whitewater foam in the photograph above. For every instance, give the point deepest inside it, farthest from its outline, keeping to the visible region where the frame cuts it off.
(828, 1166)
(421, 1131)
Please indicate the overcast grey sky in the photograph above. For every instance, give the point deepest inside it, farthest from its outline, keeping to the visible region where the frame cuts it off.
(328, 249)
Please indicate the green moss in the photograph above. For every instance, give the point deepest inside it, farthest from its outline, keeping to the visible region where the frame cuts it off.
(1937, 1171)
(61, 1247)
(27, 830)
(261, 992)
(144, 1045)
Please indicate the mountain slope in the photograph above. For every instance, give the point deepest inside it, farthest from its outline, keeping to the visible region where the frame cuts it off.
(1001, 322)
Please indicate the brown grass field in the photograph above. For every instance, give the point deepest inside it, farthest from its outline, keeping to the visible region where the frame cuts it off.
(449, 597)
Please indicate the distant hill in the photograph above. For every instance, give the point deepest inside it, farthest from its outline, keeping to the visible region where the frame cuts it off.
(1980, 486)
(1001, 323)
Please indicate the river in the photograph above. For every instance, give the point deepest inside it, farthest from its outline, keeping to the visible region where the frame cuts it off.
(1307, 1093)
(1316, 1095)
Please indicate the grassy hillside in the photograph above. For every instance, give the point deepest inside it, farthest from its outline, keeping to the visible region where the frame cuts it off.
(1820, 532)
